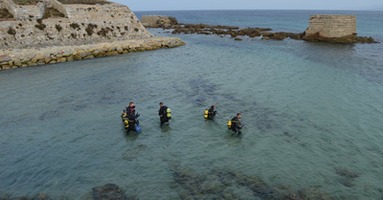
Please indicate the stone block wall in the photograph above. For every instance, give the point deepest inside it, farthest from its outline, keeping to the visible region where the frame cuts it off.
(331, 26)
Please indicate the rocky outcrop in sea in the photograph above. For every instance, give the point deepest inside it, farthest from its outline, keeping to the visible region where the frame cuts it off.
(336, 30)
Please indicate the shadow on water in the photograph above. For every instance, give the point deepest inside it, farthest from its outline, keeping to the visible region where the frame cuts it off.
(165, 128)
(130, 135)
(201, 90)
(233, 138)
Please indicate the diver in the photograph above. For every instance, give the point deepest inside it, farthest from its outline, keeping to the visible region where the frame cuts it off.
(235, 124)
(165, 113)
(210, 113)
(129, 117)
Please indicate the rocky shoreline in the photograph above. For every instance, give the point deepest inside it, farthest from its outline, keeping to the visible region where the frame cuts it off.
(15, 58)
(234, 31)
(171, 23)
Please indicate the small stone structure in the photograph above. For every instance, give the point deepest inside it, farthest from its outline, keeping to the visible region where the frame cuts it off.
(331, 28)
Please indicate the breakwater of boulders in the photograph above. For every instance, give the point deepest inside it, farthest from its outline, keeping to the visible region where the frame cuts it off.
(15, 58)
(171, 23)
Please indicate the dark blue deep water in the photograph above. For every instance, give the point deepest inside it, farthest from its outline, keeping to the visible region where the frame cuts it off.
(313, 116)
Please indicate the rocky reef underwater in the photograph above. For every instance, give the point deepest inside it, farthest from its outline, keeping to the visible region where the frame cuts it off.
(218, 184)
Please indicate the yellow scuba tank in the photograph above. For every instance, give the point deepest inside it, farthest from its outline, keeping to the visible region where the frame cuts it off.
(123, 115)
(169, 113)
(126, 123)
(206, 114)
(229, 124)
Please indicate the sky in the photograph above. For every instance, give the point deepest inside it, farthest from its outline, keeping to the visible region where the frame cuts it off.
(159, 5)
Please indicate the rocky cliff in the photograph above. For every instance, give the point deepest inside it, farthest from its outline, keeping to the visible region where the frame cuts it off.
(38, 32)
(52, 23)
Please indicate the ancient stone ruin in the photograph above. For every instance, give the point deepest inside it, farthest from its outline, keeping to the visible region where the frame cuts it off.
(332, 28)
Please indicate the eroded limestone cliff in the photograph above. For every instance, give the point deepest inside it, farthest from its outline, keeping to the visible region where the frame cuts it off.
(52, 23)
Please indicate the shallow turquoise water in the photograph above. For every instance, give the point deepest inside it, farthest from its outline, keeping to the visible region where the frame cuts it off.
(312, 113)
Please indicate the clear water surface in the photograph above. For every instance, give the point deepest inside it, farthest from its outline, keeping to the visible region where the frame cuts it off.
(312, 113)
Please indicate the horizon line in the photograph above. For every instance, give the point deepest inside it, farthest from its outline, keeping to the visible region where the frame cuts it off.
(257, 9)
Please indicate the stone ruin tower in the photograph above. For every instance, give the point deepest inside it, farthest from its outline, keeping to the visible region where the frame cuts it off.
(331, 28)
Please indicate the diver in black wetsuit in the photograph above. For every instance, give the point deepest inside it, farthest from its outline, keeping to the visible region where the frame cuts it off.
(162, 112)
(236, 124)
(129, 117)
(211, 113)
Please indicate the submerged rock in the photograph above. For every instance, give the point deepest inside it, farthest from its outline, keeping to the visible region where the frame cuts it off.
(108, 191)
(313, 193)
(346, 173)
(347, 176)
(222, 184)
(350, 39)
(39, 196)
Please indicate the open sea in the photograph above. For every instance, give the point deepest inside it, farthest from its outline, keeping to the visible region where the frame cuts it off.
(313, 115)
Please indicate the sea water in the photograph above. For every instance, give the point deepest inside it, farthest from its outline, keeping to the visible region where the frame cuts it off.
(313, 116)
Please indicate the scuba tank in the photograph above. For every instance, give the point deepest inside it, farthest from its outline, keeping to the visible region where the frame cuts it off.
(123, 115)
(206, 114)
(126, 124)
(229, 124)
(168, 113)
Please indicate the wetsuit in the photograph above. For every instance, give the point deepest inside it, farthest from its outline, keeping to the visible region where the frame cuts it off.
(236, 125)
(163, 115)
(211, 113)
(131, 115)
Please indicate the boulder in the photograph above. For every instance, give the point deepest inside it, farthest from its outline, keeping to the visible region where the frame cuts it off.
(155, 21)
(319, 38)
(4, 58)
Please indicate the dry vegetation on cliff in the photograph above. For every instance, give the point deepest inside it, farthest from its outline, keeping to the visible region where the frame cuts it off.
(4, 14)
